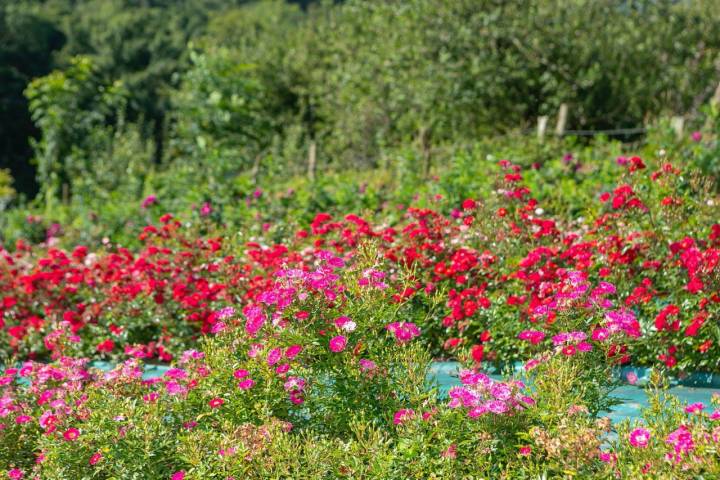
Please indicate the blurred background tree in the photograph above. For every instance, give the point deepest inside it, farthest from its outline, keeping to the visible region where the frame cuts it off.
(245, 87)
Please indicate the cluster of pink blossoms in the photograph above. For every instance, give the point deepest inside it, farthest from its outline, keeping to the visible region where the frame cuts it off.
(403, 331)
(480, 395)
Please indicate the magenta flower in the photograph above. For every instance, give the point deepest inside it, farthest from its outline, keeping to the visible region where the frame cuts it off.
(206, 209)
(681, 441)
(639, 438)
(530, 364)
(71, 434)
(696, 407)
(696, 136)
(15, 474)
(632, 378)
(600, 334)
(345, 324)
(246, 384)
(403, 331)
(532, 336)
(216, 402)
(525, 450)
(149, 200)
(96, 457)
(179, 475)
(450, 452)
(255, 350)
(176, 373)
(274, 356)
(23, 419)
(225, 313)
(292, 351)
(255, 319)
(367, 365)
(240, 374)
(497, 407)
(151, 397)
(338, 344)
(403, 415)
(607, 457)
(174, 388)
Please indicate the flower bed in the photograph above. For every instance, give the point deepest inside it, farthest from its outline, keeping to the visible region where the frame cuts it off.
(308, 359)
(482, 277)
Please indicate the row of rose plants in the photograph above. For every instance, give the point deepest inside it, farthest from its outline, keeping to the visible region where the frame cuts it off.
(322, 375)
(479, 276)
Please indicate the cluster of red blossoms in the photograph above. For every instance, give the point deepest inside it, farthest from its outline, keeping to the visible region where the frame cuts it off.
(496, 261)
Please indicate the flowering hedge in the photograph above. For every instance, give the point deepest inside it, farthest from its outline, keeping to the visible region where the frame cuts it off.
(307, 358)
(321, 375)
(480, 275)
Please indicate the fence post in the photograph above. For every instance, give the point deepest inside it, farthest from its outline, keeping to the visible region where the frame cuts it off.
(256, 168)
(312, 156)
(715, 103)
(716, 97)
(678, 124)
(424, 140)
(562, 119)
(541, 126)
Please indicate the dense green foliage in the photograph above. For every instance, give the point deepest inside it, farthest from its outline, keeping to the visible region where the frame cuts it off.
(252, 85)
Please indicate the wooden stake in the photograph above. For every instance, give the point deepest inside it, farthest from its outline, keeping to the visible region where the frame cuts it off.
(256, 168)
(312, 155)
(562, 120)
(541, 127)
(424, 143)
(716, 98)
(678, 124)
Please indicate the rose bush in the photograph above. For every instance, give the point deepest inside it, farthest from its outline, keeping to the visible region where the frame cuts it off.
(481, 274)
(275, 393)
(302, 351)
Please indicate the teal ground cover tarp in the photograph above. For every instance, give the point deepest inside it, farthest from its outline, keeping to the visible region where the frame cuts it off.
(693, 388)
(698, 387)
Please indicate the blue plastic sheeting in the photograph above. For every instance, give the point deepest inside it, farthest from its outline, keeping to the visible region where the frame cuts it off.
(634, 397)
(151, 371)
(697, 387)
